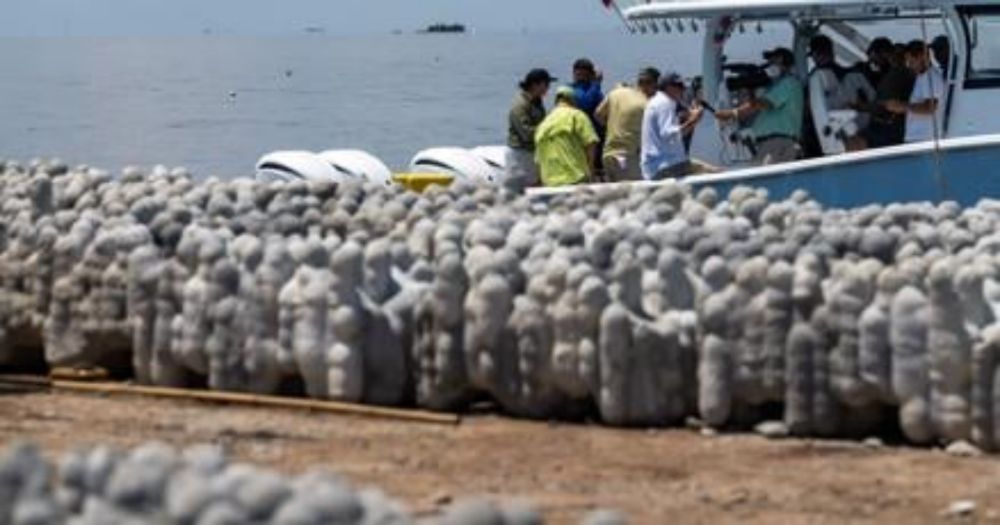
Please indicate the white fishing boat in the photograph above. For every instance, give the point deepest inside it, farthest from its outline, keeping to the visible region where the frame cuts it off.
(961, 163)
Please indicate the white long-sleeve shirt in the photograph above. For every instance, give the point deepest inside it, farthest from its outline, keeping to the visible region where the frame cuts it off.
(662, 139)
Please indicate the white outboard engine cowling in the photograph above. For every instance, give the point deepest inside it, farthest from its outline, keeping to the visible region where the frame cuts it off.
(459, 163)
(495, 156)
(358, 165)
(287, 166)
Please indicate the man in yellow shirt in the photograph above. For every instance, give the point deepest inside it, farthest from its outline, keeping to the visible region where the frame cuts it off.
(622, 113)
(565, 143)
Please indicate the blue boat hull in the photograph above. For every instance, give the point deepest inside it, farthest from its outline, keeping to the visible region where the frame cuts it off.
(961, 170)
(964, 170)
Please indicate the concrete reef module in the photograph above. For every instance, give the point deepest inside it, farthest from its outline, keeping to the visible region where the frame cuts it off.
(650, 305)
(155, 483)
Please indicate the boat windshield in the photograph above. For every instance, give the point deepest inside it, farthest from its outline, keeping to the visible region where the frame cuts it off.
(984, 52)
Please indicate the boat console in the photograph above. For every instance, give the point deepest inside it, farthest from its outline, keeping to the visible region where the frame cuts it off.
(971, 27)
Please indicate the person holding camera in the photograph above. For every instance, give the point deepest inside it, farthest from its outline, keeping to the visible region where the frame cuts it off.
(776, 117)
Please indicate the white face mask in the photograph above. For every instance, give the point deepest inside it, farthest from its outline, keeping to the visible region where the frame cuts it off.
(773, 71)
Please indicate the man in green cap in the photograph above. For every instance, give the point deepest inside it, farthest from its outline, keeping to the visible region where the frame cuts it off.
(565, 143)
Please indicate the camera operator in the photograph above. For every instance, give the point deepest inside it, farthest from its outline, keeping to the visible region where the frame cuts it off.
(777, 115)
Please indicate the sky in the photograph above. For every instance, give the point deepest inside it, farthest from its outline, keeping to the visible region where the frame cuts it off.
(277, 17)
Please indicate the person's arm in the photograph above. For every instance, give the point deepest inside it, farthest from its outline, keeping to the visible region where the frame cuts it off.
(665, 119)
(932, 90)
(602, 112)
(591, 161)
(774, 98)
(590, 140)
(935, 93)
(522, 124)
(693, 118)
(745, 110)
(924, 107)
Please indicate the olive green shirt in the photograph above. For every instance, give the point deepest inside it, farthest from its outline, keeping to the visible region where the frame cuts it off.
(525, 116)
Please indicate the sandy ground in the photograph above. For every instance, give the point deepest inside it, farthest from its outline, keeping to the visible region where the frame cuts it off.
(675, 476)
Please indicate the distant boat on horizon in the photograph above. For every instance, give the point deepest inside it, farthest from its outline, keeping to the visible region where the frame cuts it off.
(443, 29)
(315, 30)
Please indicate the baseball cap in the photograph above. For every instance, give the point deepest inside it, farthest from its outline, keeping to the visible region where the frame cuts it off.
(649, 74)
(566, 92)
(583, 63)
(537, 76)
(783, 54)
(671, 78)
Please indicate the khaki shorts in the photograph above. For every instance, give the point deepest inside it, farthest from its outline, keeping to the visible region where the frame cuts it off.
(777, 150)
(621, 168)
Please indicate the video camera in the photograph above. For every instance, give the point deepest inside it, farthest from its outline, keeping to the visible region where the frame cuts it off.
(745, 77)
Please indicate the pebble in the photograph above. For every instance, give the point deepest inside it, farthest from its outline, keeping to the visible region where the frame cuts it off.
(693, 423)
(960, 509)
(772, 429)
(203, 487)
(873, 442)
(441, 499)
(605, 517)
(963, 449)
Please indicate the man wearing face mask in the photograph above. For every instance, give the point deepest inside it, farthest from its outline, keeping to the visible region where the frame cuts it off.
(777, 115)
(877, 65)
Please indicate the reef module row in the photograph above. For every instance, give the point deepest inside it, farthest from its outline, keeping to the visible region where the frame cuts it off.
(652, 304)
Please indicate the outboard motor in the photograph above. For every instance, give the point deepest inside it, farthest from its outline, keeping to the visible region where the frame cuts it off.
(459, 163)
(287, 166)
(495, 156)
(358, 165)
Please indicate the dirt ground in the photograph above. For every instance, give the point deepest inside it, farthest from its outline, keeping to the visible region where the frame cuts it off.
(675, 476)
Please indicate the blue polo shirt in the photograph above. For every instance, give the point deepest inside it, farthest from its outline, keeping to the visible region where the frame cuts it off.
(588, 96)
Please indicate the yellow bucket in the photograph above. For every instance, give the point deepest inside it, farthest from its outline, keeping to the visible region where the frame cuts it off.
(419, 182)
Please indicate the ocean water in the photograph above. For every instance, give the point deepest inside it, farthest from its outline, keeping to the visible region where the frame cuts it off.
(216, 104)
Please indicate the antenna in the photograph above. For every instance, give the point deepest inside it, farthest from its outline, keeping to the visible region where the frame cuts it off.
(936, 125)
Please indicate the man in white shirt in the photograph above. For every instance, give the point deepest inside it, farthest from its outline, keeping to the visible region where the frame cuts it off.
(923, 121)
(663, 152)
